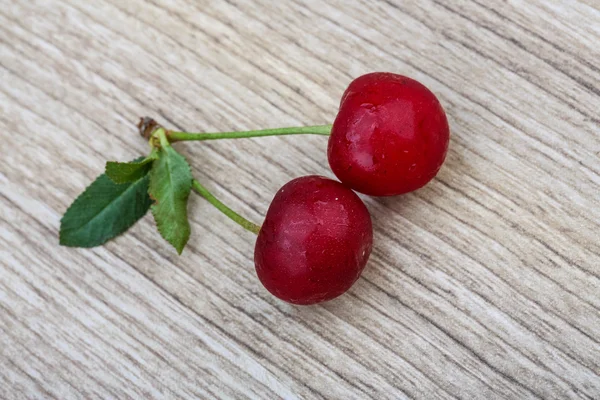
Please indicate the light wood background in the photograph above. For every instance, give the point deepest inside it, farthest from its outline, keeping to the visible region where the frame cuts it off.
(483, 285)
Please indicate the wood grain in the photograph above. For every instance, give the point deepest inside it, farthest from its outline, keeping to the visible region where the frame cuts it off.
(485, 284)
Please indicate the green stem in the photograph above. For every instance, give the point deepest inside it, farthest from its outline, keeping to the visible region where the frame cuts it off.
(303, 130)
(202, 191)
(161, 133)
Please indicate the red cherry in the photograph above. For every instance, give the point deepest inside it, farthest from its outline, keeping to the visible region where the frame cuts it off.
(315, 241)
(389, 137)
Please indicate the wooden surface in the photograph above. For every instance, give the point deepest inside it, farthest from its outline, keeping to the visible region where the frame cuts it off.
(485, 284)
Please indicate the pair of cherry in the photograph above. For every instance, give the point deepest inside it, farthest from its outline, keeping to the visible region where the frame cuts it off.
(390, 137)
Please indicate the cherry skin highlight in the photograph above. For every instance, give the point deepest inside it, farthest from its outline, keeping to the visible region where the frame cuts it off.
(390, 135)
(315, 241)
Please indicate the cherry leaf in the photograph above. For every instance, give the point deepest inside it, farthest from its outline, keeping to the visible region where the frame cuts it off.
(103, 211)
(170, 186)
(123, 172)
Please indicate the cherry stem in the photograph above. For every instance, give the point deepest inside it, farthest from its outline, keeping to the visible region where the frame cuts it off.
(243, 222)
(303, 130)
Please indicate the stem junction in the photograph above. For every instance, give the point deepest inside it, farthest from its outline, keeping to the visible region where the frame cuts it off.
(160, 137)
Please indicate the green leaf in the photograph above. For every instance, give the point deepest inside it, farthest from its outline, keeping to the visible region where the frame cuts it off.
(104, 210)
(170, 186)
(123, 172)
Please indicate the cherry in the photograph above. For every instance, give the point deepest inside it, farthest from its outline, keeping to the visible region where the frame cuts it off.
(315, 241)
(390, 135)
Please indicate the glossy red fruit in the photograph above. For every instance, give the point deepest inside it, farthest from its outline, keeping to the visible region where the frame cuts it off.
(315, 241)
(389, 137)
